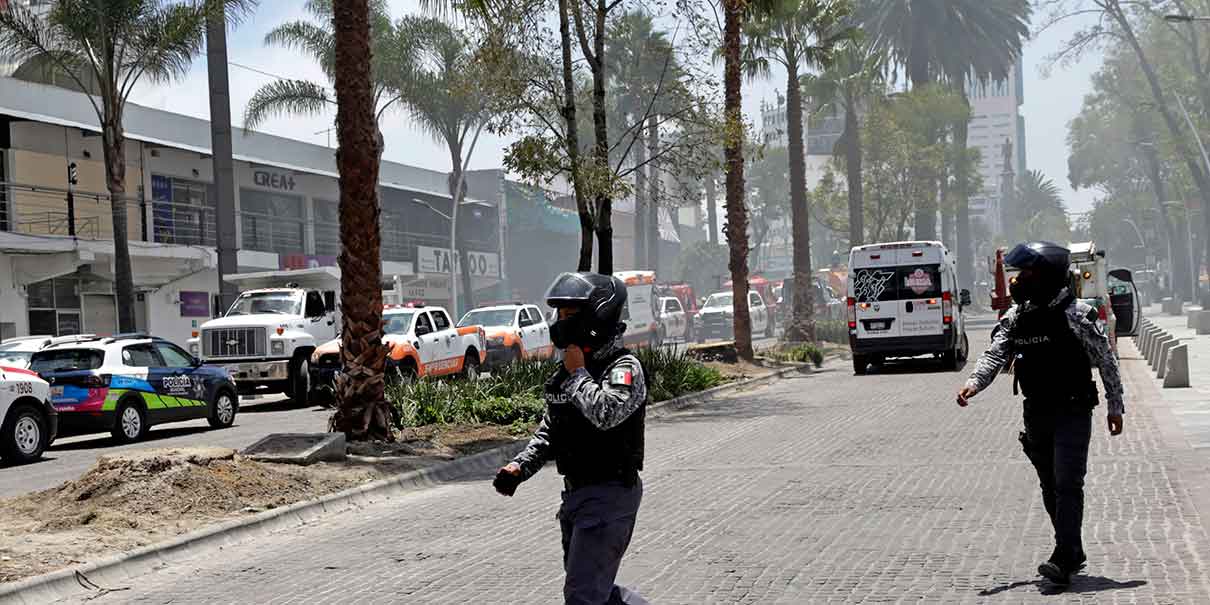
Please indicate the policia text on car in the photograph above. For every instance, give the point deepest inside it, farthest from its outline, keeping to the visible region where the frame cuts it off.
(593, 430)
(1053, 341)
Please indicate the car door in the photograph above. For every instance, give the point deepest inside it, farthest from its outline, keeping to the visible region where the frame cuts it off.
(675, 316)
(758, 312)
(527, 330)
(318, 323)
(541, 344)
(144, 371)
(431, 349)
(183, 381)
(448, 341)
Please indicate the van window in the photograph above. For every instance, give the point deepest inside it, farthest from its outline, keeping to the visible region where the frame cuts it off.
(897, 283)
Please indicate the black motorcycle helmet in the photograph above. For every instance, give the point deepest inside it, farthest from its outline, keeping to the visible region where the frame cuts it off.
(600, 298)
(1044, 267)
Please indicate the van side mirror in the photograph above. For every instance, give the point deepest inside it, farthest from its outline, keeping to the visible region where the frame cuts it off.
(964, 298)
(1122, 275)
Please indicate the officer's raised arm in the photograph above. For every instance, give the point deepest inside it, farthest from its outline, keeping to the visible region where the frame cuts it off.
(611, 401)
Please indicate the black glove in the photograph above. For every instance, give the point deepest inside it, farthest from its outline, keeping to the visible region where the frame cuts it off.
(506, 483)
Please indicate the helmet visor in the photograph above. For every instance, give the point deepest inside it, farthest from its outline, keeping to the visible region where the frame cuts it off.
(568, 289)
(1021, 257)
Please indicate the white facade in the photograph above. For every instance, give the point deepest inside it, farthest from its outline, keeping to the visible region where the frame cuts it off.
(996, 121)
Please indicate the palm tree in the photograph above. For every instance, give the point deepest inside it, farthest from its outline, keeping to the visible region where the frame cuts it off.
(736, 229)
(1039, 212)
(391, 64)
(855, 77)
(798, 34)
(958, 40)
(363, 412)
(446, 96)
(107, 47)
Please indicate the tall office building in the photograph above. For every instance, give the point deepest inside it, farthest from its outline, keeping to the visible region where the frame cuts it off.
(997, 130)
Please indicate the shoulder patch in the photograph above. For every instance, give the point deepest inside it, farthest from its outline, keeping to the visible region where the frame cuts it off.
(622, 377)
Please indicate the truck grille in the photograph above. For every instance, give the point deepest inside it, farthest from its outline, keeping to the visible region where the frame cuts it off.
(233, 342)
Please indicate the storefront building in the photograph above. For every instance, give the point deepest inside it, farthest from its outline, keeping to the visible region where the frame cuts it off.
(287, 216)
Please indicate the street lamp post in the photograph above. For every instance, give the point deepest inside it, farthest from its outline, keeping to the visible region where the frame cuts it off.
(1184, 18)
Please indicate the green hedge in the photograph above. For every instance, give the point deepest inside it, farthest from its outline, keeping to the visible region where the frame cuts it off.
(512, 395)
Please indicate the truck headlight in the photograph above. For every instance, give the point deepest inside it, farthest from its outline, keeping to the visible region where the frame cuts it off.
(277, 347)
(193, 349)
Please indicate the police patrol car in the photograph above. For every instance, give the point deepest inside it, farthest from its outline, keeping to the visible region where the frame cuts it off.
(27, 420)
(127, 383)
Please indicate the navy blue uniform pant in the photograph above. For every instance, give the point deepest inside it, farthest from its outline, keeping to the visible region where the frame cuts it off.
(1056, 442)
(597, 523)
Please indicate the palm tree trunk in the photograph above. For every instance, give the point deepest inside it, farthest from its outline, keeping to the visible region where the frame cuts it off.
(712, 208)
(802, 323)
(640, 207)
(654, 180)
(457, 185)
(362, 413)
(736, 229)
(853, 170)
(966, 254)
(947, 212)
(114, 148)
(926, 205)
(572, 141)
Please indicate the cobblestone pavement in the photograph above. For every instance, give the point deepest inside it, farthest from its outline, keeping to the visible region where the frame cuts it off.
(818, 489)
(69, 458)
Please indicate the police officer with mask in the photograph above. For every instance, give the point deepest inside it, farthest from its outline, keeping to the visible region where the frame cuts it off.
(1053, 342)
(593, 430)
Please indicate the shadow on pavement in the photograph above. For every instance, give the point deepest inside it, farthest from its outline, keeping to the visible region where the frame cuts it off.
(1079, 585)
(281, 405)
(153, 435)
(915, 365)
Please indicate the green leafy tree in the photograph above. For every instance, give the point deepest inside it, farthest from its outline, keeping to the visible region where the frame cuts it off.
(798, 34)
(107, 47)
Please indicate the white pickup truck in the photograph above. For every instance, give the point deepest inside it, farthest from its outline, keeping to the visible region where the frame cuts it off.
(265, 340)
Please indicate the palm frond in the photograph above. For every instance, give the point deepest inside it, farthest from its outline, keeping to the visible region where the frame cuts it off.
(163, 45)
(315, 40)
(286, 97)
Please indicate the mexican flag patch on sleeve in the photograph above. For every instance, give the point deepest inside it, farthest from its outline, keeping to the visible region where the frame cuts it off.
(621, 377)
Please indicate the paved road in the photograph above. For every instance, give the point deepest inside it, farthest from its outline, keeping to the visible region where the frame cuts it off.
(68, 458)
(822, 488)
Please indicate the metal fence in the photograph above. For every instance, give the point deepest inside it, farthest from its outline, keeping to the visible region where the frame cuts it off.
(184, 224)
(265, 233)
(39, 210)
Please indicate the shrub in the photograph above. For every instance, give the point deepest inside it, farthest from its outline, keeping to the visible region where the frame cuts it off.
(832, 330)
(802, 353)
(671, 373)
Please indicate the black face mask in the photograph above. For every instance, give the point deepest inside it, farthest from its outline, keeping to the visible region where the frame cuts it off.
(1034, 290)
(566, 332)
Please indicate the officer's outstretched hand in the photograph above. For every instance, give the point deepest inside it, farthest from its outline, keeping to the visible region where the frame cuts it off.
(507, 479)
(1115, 424)
(965, 394)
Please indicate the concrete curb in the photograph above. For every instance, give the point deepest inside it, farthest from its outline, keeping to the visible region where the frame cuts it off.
(119, 570)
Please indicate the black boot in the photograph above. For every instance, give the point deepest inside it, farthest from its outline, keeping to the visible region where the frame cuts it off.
(1059, 569)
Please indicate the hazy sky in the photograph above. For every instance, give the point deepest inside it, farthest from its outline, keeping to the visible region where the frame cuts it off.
(1049, 103)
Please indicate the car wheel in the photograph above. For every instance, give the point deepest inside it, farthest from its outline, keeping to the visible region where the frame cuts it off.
(300, 383)
(23, 437)
(129, 423)
(223, 409)
(470, 367)
(965, 352)
(949, 359)
(860, 364)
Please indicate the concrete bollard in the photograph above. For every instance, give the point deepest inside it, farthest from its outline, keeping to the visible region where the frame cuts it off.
(1161, 363)
(1177, 376)
(1154, 357)
(1148, 334)
(1203, 323)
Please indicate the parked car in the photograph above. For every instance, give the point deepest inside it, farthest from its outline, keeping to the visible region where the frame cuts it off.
(420, 341)
(28, 422)
(676, 322)
(717, 317)
(127, 383)
(15, 352)
(514, 332)
(828, 305)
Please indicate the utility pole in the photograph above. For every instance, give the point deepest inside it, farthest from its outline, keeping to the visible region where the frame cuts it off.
(73, 177)
(220, 147)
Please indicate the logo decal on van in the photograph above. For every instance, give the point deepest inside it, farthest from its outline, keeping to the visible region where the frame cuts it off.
(919, 281)
(869, 284)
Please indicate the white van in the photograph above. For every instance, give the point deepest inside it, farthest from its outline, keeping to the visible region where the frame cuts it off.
(903, 301)
(642, 313)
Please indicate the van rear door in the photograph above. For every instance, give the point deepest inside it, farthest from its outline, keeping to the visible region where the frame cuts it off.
(920, 283)
(875, 290)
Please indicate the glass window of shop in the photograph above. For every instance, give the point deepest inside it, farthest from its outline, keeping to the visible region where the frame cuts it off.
(327, 227)
(272, 222)
(54, 307)
(183, 211)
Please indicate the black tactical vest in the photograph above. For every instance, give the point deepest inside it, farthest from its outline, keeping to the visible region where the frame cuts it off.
(1051, 364)
(585, 453)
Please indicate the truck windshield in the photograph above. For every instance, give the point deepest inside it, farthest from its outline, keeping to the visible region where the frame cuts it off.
(718, 300)
(496, 317)
(397, 323)
(254, 303)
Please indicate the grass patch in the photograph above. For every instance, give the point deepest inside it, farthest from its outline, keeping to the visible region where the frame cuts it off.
(802, 353)
(512, 395)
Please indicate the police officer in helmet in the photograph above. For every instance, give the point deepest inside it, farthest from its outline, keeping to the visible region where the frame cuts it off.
(593, 430)
(1053, 342)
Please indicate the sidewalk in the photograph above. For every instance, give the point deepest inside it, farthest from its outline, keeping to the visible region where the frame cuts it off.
(1191, 406)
